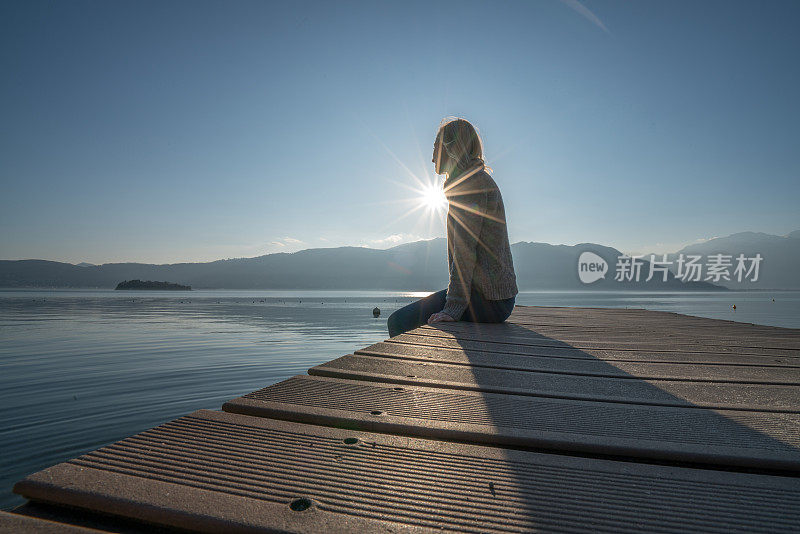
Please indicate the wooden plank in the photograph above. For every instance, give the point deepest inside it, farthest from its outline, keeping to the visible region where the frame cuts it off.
(624, 315)
(579, 352)
(395, 347)
(593, 367)
(631, 316)
(213, 471)
(706, 335)
(652, 321)
(606, 312)
(632, 343)
(721, 327)
(768, 398)
(730, 438)
(622, 319)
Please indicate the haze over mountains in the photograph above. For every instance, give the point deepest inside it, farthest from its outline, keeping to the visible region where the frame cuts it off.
(778, 268)
(418, 266)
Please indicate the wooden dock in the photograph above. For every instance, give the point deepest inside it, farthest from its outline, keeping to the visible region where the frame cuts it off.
(560, 419)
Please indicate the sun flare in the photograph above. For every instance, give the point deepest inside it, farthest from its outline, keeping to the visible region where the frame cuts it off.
(433, 198)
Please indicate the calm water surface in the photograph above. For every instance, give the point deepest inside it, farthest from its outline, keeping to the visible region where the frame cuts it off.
(79, 369)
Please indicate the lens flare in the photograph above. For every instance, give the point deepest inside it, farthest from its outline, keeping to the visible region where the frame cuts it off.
(431, 203)
(432, 197)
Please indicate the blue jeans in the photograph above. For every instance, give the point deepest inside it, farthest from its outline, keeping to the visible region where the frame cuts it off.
(479, 310)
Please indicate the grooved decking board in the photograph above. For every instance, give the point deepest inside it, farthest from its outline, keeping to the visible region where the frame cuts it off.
(631, 317)
(769, 398)
(709, 326)
(617, 320)
(731, 438)
(214, 471)
(639, 314)
(397, 346)
(647, 322)
(680, 335)
(645, 319)
(20, 524)
(695, 324)
(591, 366)
(510, 333)
(500, 343)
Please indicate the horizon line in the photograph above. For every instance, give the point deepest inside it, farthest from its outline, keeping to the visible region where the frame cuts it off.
(697, 241)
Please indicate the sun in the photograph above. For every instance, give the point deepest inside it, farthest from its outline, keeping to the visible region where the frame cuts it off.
(432, 197)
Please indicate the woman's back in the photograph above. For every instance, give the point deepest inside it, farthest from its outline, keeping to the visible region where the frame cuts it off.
(478, 250)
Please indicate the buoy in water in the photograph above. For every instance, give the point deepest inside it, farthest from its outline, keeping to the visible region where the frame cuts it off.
(376, 312)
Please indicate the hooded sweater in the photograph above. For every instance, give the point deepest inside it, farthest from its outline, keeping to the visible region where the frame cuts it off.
(478, 251)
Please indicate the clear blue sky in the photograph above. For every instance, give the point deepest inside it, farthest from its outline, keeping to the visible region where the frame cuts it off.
(191, 131)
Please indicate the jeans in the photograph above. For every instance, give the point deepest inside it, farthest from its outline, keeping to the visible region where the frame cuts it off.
(479, 310)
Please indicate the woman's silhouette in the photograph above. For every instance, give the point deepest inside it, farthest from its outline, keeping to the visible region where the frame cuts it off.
(482, 286)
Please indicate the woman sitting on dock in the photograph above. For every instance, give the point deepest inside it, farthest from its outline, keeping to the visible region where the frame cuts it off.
(483, 286)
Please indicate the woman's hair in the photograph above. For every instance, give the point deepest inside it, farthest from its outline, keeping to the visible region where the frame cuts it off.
(461, 142)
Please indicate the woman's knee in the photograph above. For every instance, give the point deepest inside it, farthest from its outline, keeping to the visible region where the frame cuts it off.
(394, 323)
(488, 311)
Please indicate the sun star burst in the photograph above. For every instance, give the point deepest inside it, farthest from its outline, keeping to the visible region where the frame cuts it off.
(432, 197)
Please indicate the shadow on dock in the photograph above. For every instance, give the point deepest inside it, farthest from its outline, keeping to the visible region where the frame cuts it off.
(722, 417)
(656, 420)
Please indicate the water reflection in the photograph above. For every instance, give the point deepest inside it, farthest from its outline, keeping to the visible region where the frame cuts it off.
(78, 371)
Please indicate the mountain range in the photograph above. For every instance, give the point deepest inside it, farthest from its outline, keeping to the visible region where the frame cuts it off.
(778, 268)
(418, 266)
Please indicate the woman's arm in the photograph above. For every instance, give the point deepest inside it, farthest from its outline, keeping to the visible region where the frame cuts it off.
(465, 221)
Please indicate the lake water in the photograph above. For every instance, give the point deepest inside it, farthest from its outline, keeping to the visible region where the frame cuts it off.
(79, 369)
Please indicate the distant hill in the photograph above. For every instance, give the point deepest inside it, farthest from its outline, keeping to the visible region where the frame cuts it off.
(418, 266)
(781, 257)
(149, 285)
(545, 266)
